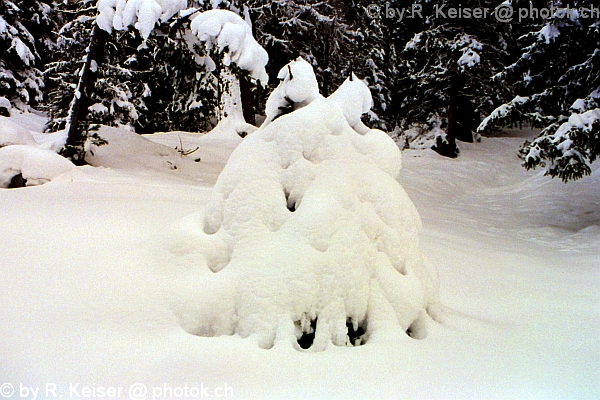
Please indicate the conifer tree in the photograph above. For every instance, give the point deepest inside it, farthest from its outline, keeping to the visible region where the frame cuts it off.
(158, 84)
(26, 41)
(557, 88)
(448, 79)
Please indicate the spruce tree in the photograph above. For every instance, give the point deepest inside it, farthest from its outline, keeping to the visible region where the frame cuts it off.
(448, 76)
(26, 42)
(557, 88)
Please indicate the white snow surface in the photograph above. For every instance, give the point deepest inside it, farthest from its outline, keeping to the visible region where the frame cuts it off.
(90, 298)
(11, 133)
(127, 150)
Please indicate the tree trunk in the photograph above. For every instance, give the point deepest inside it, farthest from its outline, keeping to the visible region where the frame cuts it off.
(448, 148)
(77, 130)
(247, 101)
(465, 119)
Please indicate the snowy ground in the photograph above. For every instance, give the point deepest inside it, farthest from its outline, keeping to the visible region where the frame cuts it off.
(90, 294)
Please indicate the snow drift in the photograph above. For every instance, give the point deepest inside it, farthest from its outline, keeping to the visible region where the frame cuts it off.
(311, 238)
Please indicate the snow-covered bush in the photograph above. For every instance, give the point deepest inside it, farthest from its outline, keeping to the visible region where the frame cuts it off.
(312, 239)
(34, 165)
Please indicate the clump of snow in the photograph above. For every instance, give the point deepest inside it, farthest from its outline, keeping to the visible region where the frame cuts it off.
(5, 105)
(501, 112)
(298, 88)
(143, 14)
(468, 58)
(11, 134)
(130, 151)
(354, 98)
(584, 121)
(549, 32)
(229, 33)
(312, 238)
(36, 165)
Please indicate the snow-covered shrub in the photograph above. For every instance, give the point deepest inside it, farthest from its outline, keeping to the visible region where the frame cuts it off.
(34, 165)
(422, 136)
(311, 237)
(5, 107)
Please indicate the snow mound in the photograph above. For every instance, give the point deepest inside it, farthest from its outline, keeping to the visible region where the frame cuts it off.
(232, 127)
(312, 238)
(36, 165)
(130, 151)
(229, 33)
(11, 134)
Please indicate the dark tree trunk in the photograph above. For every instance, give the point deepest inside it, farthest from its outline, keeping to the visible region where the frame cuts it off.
(448, 148)
(247, 101)
(465, 119)
(76, 127)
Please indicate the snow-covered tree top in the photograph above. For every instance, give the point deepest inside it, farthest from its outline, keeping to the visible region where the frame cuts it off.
(299, 87)
(221, 28)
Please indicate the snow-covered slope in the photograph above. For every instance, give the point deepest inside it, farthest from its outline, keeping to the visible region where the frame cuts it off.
(89, 297)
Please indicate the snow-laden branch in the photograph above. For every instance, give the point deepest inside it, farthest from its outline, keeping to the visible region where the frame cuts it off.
(142, 14)
(223, 29)
(231, 35)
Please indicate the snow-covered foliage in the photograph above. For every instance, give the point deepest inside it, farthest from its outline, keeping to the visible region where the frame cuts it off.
(354, 99)
(311, 236)
(159, 87)
(228, 33)
(557, 79)
(421, 137)
(24, 30)
(502, 113)
(142, 14)
(568, 149)
(298, 88)
(36, 165)
(222, 29)
(448, 79)
(5, 107)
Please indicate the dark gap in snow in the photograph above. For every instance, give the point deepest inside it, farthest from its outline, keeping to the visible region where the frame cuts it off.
(418, 329)
(356, 337)
(17, 181)
(291, 205)
(306, 340)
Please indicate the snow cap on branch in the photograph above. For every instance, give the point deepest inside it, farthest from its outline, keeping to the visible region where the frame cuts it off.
(231, 34)
(143, 14)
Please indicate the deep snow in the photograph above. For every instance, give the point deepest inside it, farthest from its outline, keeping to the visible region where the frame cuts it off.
(89, 294)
